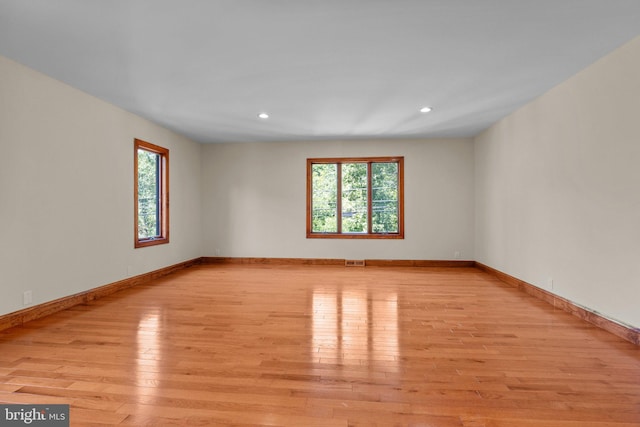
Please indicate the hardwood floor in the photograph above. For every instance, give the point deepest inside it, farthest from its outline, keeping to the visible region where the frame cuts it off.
(323, 345)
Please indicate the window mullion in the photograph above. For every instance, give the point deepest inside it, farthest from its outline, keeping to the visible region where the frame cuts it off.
(369, 199)
(339, 197)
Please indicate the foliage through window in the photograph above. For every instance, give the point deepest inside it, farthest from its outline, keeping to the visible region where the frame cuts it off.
(355, 197)
(151, 193)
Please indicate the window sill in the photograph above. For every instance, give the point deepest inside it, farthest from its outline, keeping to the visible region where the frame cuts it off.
(354, 236)
(151, 242)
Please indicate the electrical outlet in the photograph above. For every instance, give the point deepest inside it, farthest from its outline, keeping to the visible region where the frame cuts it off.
(27, 297)
(217, 251)
(550, 283)
(456, 255)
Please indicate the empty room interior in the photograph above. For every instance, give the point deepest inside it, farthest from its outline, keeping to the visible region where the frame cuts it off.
(324, 213)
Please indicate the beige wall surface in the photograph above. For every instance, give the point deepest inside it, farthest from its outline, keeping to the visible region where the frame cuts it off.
(558, 189)
(549, 194)
(66, 191)
(254, 200)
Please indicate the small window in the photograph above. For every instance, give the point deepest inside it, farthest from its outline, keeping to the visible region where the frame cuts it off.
(355, 198)
(151, 194)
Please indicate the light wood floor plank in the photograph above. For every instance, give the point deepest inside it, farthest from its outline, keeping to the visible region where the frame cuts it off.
(251, 345)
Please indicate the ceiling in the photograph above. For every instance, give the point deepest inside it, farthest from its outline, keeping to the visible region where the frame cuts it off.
(323, 69)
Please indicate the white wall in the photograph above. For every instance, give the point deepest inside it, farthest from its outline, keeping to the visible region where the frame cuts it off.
(66, 191)
(558, 189)
(254, 200)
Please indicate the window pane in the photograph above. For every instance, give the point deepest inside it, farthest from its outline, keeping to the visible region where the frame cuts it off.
(325, 198)
(384, 197)
(148, 194)
(354, 197)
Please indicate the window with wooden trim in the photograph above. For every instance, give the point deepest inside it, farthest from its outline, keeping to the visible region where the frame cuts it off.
(360, 197)
(151, 194)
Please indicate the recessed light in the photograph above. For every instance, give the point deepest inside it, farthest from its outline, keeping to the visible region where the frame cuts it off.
(263, 115)
(425, 109)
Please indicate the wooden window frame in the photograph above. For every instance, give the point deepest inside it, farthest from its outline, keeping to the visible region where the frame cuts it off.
(163, 238)
(368, 235)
